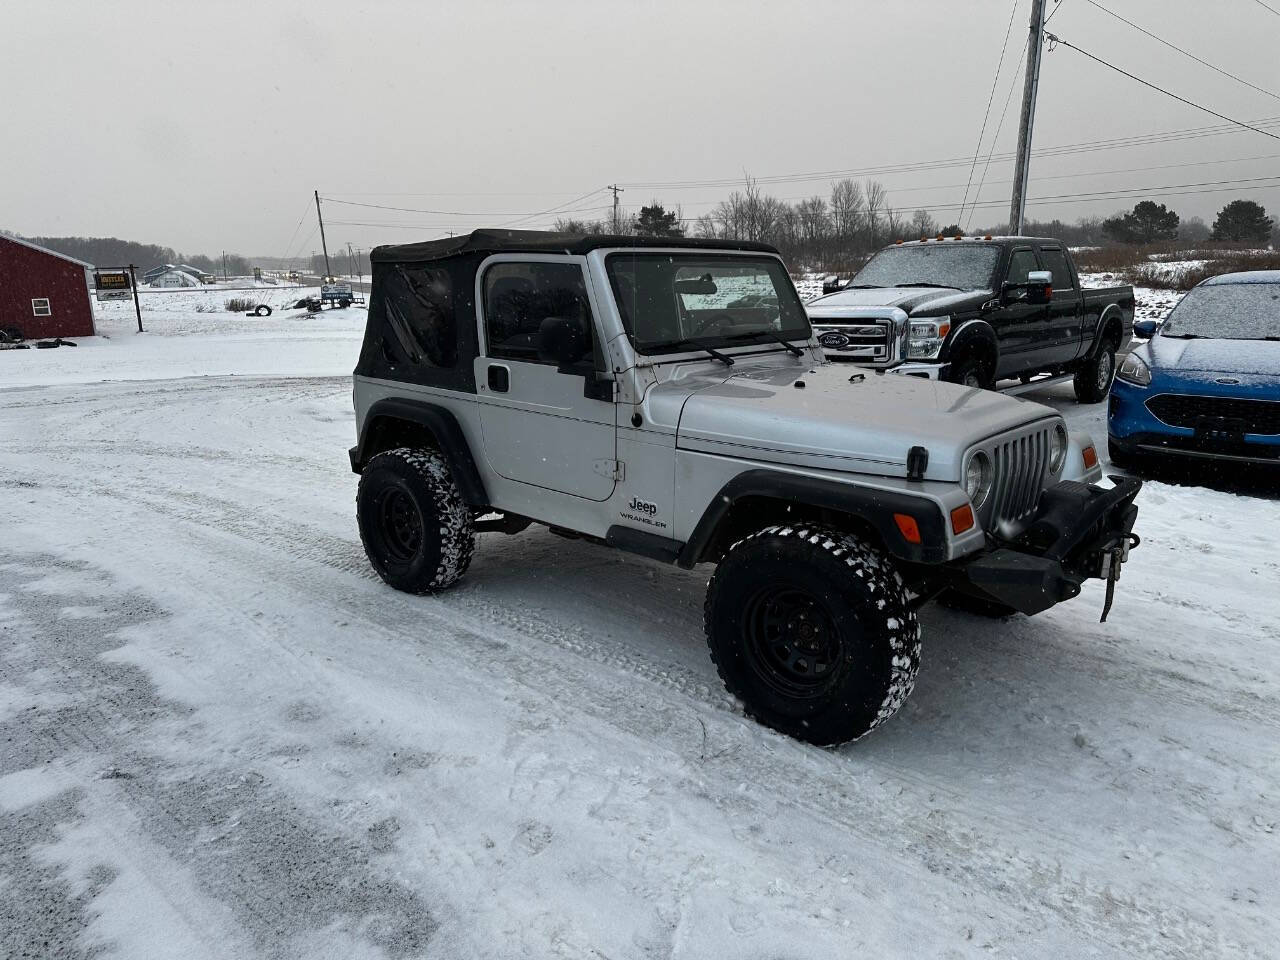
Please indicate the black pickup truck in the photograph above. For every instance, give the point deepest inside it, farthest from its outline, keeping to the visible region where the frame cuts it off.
(977, 310)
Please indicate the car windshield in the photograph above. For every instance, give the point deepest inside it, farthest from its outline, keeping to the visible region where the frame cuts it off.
(674, 303)
(965, 266)
(1227, 311)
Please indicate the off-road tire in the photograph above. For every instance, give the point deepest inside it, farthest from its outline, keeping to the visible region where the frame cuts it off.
(1096, 374)
(414, 524)
(972, 369)
(978, 606)
(856, 608)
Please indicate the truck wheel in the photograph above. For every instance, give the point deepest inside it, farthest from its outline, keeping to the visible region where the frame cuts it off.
(1094, 377)
(414, 524)
(972, 369)
(810, 628)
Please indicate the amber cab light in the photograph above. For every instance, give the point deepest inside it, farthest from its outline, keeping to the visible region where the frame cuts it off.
(962, 519)
(1090, 457)
(908, 527)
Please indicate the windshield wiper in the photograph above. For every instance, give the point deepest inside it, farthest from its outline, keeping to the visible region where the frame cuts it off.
(772, 335)
(860, 286)
(694, 344)
(1181, 336)
(926, 283)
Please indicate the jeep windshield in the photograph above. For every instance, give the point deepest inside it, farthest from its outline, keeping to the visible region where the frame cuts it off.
(1227, 311)
(959, 265)
(681, 302)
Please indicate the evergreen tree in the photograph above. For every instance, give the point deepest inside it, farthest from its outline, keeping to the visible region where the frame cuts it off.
(1242, 221)
(654, 221)
(1147, 222)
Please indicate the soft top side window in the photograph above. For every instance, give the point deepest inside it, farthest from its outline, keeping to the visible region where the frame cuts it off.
(520, 296)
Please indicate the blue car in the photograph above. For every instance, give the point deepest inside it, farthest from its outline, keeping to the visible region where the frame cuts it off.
(1207, 383)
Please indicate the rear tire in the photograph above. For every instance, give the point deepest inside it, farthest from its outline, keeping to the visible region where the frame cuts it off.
(811, 629)
(414, 524)
(1094, 377)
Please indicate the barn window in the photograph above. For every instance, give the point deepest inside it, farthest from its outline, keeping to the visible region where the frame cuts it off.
(40, 307)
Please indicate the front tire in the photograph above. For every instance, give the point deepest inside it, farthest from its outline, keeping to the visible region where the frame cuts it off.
(811, 629)
(972, 369)
(1094, 377)
(414, 524)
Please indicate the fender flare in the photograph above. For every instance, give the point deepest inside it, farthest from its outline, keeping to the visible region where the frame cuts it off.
(871, 505)
(1109, 313)
(970, 332)
(444, 429)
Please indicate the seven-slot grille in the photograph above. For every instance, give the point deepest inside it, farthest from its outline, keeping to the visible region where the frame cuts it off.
(1183, 410)
(865, 340)
(1019, 466)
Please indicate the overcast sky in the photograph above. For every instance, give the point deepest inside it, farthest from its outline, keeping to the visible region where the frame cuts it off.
(206, 126)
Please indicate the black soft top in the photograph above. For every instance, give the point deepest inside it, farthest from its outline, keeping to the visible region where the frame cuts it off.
(543, 241)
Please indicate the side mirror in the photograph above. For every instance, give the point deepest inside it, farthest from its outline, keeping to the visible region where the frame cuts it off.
(1146, 329)
(831, 285)
(1039, 287)
(561, 341)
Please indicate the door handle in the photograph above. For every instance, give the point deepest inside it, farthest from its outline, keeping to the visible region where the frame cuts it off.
(499, 379)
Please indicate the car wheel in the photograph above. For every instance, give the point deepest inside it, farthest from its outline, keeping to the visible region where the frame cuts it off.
(414, 524)
(1094, 377)
(811, 629)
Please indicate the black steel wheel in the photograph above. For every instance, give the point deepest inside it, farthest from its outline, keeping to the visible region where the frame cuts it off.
(812, 630)
(415, 526)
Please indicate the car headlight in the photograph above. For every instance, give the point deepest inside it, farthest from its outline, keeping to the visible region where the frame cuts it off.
(1135, 370)
(1057, 448)
(925, 337)
(977, 478)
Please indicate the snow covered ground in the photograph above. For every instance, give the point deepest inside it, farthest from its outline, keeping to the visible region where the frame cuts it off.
(222, 736)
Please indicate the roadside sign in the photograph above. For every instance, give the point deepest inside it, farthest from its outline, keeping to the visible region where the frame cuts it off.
(336, 291)
(112, 285)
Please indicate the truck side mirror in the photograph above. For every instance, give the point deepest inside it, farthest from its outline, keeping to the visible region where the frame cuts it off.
(1039, 287)
(562, 341)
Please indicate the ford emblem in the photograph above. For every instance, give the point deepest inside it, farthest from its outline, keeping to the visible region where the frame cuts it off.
(834, 340)
(1228, 381)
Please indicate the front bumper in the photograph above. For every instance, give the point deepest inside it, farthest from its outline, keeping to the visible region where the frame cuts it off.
(1134, 430)
(1079, 531)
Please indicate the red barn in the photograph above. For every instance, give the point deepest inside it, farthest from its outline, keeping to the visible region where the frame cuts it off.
(42, 293)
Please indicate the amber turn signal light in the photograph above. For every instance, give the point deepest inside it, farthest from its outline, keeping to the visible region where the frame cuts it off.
(962, 519)
(908, 527)
(1090, 457)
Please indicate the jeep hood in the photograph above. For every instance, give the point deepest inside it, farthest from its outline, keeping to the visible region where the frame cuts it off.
(912, 300)
(843, 419)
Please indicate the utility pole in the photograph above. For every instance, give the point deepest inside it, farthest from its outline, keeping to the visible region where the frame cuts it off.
(617, 224)
(1030, 86)
(224, 266)
(323, 245)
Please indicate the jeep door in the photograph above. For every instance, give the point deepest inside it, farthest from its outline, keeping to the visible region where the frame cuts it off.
(545, 423)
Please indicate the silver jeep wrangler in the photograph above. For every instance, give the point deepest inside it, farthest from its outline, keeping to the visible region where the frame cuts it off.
(668, 397)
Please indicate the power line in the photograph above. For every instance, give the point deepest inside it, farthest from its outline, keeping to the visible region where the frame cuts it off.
(1159, 89)
(1000, 126)
(1185, 53)
(557, 208)
(995, 80)
(441, 213)
(1267, 6)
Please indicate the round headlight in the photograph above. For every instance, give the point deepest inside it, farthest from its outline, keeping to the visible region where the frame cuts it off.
(1057, 448)
(977, 478)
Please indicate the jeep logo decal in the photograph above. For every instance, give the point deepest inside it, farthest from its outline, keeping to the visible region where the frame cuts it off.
(642, 506)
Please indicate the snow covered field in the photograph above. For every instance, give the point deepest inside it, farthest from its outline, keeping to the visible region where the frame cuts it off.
(221, 736)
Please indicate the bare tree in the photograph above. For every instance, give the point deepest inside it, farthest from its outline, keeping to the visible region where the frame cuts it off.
(923, 224)
(875, 202)
(847, 212)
